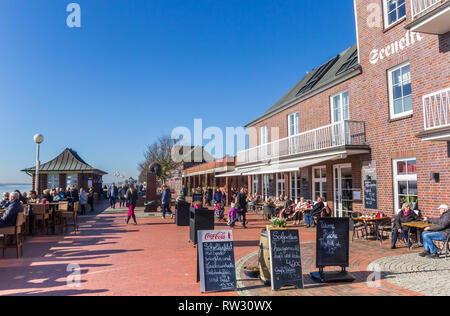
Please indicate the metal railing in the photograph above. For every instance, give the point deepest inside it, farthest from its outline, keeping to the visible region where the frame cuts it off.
(418, 7)
(326, 137)
(436, 109)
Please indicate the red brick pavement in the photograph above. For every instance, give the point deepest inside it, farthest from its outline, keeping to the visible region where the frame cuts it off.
(153, 258)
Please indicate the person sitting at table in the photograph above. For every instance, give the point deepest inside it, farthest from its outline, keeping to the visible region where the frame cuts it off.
(315, 212)
(21, 197)
(47, 196)
(438, 232)
(406, 215)
(32, 197)
(253, 204)
(287, 207)
(4, 203)
(299, 209)
(9, 219)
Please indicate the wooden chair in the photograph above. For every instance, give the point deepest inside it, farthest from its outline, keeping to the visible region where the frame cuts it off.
(40, 214)
(14, 231)
(70, 217)
(358, 227)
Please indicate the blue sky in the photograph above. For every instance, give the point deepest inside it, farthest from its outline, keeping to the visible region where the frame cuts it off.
(136, 69)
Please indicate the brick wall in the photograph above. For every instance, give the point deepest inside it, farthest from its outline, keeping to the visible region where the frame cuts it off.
(369, 102)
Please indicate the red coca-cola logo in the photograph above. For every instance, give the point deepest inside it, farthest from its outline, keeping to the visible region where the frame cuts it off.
(216, 236)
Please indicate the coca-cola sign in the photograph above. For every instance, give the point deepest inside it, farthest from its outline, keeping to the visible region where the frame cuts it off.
(217, 236)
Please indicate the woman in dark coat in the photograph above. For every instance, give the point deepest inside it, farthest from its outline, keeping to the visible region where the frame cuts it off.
(406, 215)
(91, 198)
(132, 197)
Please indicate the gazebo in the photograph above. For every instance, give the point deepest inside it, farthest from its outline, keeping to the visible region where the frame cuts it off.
(67, 169)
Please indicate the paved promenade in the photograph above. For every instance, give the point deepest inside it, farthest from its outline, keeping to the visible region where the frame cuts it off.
(155, 258)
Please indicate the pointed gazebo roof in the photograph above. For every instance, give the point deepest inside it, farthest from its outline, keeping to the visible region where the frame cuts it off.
(67, 161)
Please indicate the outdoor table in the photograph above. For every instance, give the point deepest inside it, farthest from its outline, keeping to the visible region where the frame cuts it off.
(375, 221)
(419, 226)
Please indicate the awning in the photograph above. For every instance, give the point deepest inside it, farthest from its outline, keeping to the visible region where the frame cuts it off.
(289, 167)
(235, 173)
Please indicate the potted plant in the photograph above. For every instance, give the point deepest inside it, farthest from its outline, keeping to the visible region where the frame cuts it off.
(413, 200)
(251, 272)
(277, 223)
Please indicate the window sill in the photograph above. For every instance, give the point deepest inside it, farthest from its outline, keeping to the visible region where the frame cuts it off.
(390, 27)
(401, 118)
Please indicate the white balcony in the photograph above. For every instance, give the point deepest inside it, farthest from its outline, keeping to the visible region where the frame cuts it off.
(338, 135)
(436, 114)
(430, 16)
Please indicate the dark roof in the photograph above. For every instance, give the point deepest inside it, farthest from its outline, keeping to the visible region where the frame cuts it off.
(192, 153)
(334, 69)
(68, 160)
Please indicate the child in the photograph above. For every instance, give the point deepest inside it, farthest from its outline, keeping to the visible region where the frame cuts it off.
(232, 215)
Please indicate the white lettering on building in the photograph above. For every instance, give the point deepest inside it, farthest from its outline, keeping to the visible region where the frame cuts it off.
(408, 40)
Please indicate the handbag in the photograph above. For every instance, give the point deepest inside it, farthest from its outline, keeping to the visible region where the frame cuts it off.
(130, 210)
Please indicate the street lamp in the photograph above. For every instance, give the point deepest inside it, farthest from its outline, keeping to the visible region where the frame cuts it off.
(38, 139)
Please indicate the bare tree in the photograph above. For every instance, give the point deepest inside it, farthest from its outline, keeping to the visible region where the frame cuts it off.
(159, 152)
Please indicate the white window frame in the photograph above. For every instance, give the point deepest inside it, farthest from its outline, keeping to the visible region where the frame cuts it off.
(294, 186)
(398, 178)
(281, 184)
(320, 180)
(391, 91)
(341, 107)
(255, 182)
(52, 181)
(264, 134)
(73, 181)
(386, 15)
(296, 124)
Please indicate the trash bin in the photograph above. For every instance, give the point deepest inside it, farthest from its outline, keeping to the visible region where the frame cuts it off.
(182, 215)
(201, 219)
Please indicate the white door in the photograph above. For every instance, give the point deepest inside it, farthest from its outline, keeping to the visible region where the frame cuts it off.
(343, 190)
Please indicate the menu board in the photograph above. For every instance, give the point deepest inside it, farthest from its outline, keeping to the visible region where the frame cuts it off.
(285, 259)
(216, 261)
(370, 195)
(332, 242)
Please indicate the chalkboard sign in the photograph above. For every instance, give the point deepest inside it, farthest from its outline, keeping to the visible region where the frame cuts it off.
(370, 195)
(216, 260)
(332, 242)
(285, 259)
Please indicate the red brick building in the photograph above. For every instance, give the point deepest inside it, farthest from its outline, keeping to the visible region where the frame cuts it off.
(215, 174)
(369, 129)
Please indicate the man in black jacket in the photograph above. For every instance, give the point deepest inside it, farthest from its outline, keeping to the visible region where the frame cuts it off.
(242, 206)
(438, 232)
(10, 217)
(316, 211)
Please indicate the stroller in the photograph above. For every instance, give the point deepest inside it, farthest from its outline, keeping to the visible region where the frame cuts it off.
(220, 212)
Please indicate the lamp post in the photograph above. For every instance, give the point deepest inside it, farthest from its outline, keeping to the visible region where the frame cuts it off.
(38, 139)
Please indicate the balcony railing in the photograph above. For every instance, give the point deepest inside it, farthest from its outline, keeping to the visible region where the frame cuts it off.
(436, 109)
(323, 138)
(419, 7)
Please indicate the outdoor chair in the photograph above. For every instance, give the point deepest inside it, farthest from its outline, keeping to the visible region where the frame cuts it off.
(444, 247)
(385, 229)
(40, 215)
(70, 217)
(358, 227)
(268, 212)
(16, 232)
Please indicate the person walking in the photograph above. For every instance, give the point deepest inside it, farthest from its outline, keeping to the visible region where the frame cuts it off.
(113, 193)
(91, 198)
(122, 196)
(242, 206)
(132, 197)
(83, 201)
(166, 198)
